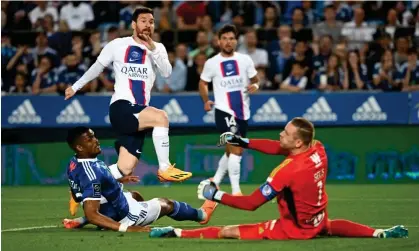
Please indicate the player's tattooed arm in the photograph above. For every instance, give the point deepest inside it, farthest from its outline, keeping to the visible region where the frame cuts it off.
(254, 85)
(91, 211)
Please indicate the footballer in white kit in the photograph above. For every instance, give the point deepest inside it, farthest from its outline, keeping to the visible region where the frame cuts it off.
(234, 77)
(135, 60)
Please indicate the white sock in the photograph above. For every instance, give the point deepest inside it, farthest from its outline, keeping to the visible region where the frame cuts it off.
(377, 233)
(161, 145)
(178, 232)
(234, 172)
(221, 170)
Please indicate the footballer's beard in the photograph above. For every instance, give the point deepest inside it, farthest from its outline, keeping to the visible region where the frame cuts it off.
(228, 52)
(146, 31)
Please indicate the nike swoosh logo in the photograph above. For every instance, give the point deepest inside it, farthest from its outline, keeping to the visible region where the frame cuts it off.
(137, 151)
(133, 59)
(229, 73)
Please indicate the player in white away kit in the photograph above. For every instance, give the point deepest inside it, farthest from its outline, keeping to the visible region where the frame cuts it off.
(136, 60)
(229, 72)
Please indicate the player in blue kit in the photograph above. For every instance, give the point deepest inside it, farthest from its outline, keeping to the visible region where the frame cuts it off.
(104, 202)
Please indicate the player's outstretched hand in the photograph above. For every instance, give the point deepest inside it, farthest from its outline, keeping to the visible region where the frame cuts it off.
(69, 92)
(232, 139)
(208, 105)
(147, 41)
(253, 88)
(207, 190)
(129, 179)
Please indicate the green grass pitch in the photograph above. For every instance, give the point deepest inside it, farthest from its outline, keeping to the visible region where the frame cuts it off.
(376, 205)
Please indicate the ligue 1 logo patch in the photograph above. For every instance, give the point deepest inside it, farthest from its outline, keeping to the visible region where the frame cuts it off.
(96, 189)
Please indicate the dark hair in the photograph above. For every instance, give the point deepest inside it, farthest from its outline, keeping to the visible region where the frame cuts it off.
(305, 129)
(412, 51)
(112, 29)
(226, 29)
(22, 74)
(139, 11)
(74, 134)
(330, 6)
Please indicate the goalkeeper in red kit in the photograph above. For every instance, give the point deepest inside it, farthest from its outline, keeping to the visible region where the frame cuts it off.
(298, 184)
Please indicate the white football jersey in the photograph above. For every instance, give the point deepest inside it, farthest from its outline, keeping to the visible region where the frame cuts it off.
(230, 77)
(135, 68)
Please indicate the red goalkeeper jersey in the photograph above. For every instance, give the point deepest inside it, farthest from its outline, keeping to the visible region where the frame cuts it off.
(300, 180)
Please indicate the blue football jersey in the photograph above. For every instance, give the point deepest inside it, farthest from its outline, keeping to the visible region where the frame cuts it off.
(90, 179)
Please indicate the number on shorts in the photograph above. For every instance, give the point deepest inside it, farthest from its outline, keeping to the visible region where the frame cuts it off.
(320, 186)
(230, 121)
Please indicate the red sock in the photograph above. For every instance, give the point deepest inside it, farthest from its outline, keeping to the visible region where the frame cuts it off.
(204, 233)
(345, 228)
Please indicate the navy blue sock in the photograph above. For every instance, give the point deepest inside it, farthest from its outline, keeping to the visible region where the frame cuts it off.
(183, 211)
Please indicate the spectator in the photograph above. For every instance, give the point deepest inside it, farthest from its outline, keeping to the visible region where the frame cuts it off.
(384, 74)
(311, 15)
(113, 33)
(206, 25)
(344, 12)
(189, 14)
(20, 85)
(264, 82)
(107, 79)
(357, 73)
(125, 14)
(258, 55)
(274, 48)
(271, 20)
(409, 72)
(332, 78)
(48, 25)
(77, 14)
(299, 32)
(43, 78)
(182, 53)
(165, 16)
(301, 58)
(42, 49)
(325, 50)
(70, 73)
(329, 26)
(282, 58)
(402, 48)
(392, 22)
(296, 82)
(202, 46)
(357, 31)
(41, 11)
(177, 80)
(194, 72)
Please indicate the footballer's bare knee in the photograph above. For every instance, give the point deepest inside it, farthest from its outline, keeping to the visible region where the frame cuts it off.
(126, 161)
(230, 232)
(166, 206)
(152, 117)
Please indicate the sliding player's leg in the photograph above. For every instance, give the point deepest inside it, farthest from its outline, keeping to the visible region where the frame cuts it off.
(346, 228)
(258, 231)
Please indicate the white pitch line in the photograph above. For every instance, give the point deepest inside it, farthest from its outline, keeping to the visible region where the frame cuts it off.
(157, 225)
(28, 228)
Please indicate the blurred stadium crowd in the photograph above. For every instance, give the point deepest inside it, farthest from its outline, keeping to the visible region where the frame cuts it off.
(296, 46)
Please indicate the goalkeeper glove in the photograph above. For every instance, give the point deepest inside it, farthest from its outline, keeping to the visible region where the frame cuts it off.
(233, 139)
(207, 190)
